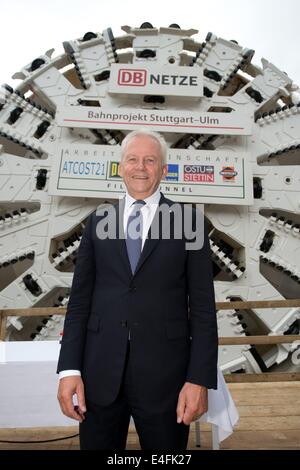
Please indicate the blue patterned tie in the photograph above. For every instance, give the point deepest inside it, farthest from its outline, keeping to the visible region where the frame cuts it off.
(134, 233)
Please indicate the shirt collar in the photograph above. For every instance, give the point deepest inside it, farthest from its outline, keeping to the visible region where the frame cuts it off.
(153, 199)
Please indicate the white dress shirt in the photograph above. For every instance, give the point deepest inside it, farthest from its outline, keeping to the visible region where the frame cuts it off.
(148, 212)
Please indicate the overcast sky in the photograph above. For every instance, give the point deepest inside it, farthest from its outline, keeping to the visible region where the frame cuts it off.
(30, 27)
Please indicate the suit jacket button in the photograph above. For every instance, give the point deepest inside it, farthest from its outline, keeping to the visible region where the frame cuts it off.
(132, 289)
(124, 323)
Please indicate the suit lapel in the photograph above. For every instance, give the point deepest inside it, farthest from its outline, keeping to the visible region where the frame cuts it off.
(121, 243)
(151, 243)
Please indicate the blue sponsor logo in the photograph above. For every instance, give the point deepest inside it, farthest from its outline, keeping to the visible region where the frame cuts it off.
(173, 173)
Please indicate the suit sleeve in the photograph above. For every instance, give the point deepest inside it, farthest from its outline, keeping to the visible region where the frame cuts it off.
(78, 310)
(202, 367)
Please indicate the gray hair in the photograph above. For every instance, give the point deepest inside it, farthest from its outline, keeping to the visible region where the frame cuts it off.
(146, 133)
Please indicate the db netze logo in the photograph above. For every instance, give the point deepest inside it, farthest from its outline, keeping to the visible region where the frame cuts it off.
(129, 77)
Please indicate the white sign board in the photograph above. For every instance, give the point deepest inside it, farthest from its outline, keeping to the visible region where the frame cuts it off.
(152, 79)
(159, 120)
(198, 176)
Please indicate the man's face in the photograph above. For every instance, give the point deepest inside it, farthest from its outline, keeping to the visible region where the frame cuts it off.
(141, 167)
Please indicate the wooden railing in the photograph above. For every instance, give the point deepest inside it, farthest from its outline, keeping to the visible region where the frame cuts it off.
(223, 341)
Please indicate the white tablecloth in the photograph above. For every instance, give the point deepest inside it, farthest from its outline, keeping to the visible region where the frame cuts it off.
(222, 411)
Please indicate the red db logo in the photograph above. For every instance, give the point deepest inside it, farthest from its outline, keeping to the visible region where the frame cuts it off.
(129, 77)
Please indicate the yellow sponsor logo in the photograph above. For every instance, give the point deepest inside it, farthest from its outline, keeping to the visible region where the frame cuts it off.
(114, 170)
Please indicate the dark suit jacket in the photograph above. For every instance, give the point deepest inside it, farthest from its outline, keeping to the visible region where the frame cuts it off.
(168, 305)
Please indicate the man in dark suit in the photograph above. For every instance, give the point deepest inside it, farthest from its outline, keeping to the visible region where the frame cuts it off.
(140, 335)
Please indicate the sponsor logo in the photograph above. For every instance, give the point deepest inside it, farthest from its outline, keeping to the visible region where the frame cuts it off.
(129, 77)
(173, 173)
(139, 77)
(114, 170)
(228, 173)
(199, 173)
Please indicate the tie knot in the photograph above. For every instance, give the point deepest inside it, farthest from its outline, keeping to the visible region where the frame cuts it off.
(139, 202)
